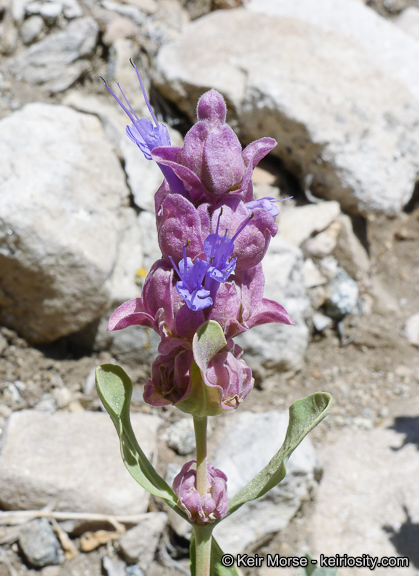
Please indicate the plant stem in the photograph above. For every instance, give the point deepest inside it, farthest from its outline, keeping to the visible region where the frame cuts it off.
(202, 532)
(200, 425)
(203, 536)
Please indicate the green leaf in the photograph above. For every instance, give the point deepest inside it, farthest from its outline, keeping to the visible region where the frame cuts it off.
(304, 415)
(204, 400)
(114, 388)
(217, 568)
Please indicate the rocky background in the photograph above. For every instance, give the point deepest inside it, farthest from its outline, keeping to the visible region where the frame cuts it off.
(336, 83)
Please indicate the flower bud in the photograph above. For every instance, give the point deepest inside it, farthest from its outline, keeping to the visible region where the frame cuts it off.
(207, 507)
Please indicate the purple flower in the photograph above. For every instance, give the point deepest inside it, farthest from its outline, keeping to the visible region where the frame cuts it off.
(170, 377)
(208, 507)
(146, 135)
(190, 284)
(266, 203)
(228, 373)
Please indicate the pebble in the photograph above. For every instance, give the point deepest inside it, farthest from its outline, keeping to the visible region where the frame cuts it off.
(138, 545)
(343, 297)
(181, 436)
(39, 544)
(411, 329)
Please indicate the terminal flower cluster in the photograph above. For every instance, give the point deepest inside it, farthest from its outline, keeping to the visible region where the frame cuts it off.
(213, 235)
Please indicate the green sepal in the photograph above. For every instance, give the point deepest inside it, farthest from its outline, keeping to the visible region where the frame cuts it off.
(217, 569)
(114, 388)
(204, 400)
(304, 415)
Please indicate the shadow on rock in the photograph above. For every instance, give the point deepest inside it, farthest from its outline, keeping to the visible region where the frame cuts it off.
(406, 539)
(409, 426)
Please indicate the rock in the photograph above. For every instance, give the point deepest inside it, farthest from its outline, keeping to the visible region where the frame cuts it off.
(273, 82)
(139, 544)
(349, 251)
(276, 346)
(390, 50)
(31, 29)
(144, 176)
(113, 566)
(312, 275)
(49, 12)
(53, 265)
(132, 12)
(324, 243)
(411, 329)
(408, 21)
(369, 493)
(119, 27)
(60, 59)
(181, 436)
(321, 322)
(71, 9)
(132, 346)
(343, 296)
(39, 544)
(247, 445)
(298, 224)
(111, 116)
(149, 7)
(78, 466)
(122, 283)
(149, 240)
(134, 570)
(8, 35)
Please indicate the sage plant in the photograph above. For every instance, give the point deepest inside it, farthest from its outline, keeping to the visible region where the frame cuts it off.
(206, 289)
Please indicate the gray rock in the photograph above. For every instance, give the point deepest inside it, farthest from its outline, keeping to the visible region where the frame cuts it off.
(8, 35)
(132, 346)
(55, 217)
(122, 282)
(149, 240)
(298, 224)
(321, 322)
(349, 251)
(324, 243)
(31, 29)
(276, 346)
(249, 443)
(368, 492)
(144, 176)
(343, 296)
(39, 544)
(49, 12)
(134, 570)
(312, 275)
(411, 329)
(139, 544)
(132, 12)
(113, 566)
(408, 21)
(390, 50)
(364, 155)
(181, 436)
(60, 59)
(72, 460)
